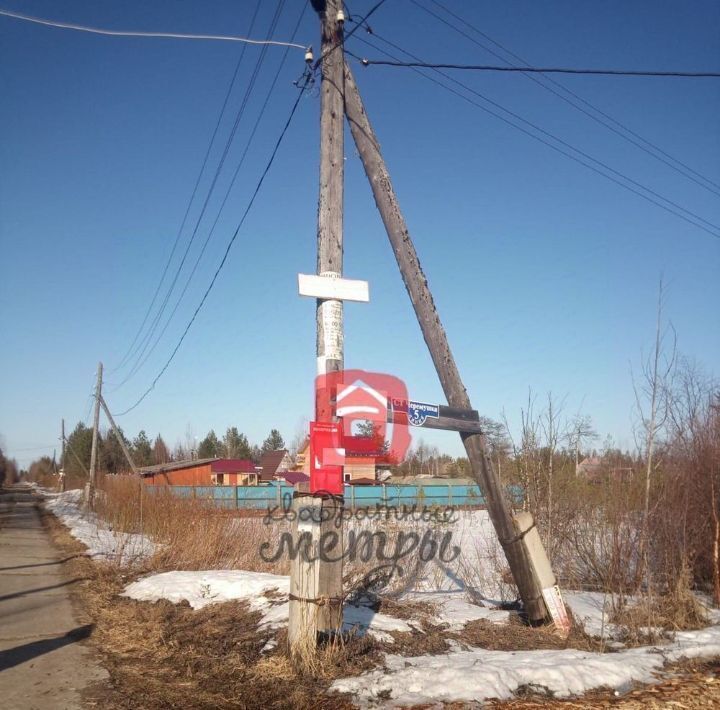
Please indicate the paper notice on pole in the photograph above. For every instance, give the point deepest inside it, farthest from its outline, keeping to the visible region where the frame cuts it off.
(556, 606)
(332, 323)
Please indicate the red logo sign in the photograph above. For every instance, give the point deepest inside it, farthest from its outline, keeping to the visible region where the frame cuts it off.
(354, 396)
(326, 458)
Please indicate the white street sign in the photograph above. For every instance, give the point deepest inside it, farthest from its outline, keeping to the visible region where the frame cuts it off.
(333, 287)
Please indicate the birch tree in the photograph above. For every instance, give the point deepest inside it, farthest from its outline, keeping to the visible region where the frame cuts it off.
(651, 399)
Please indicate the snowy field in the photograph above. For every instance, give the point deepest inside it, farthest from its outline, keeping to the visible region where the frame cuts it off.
(465, 590)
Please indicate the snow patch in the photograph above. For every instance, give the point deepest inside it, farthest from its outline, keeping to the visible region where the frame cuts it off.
(454, 609)
(209, 587)
(101, 541)
(477, 674)
(213, 586)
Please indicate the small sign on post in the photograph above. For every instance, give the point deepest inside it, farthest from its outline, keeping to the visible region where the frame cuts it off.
(326, 458)
(333, 287)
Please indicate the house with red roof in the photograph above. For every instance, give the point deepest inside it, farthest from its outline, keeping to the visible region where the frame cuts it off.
(202, 472)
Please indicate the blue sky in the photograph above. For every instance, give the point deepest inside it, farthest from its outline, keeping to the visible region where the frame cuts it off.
(545, 273)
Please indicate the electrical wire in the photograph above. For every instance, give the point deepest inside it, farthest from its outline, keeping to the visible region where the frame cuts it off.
(283, 132)
(540, 70)
(693, 219)
(145, 343)
(231, 86)
(227, 192)
(34, 448)
(547, 82)
(127, 33)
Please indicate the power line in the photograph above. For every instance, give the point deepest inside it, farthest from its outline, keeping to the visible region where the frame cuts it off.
(540, 70)
(194, 192)
(692, 216)
(129, 33)
(301, 91)
(34, 448)
(547, 83)
(227, 194)
(145, 343)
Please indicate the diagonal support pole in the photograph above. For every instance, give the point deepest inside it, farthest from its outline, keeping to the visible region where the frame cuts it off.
(437, 342)
(118, 435)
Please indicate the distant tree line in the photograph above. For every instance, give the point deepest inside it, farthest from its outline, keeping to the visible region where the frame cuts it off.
(148, 452)
(9, 472)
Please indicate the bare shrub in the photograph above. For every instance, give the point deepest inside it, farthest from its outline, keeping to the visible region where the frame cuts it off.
(189, 533)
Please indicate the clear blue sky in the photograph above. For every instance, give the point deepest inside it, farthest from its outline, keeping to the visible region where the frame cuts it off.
(545, 273)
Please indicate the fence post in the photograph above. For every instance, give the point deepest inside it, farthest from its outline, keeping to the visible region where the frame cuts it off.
(384, 496)
(450, 495)
(352, 497)
(237, 497)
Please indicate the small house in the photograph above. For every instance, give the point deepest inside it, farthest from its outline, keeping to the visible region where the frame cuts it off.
(274, 464)
(202, 472)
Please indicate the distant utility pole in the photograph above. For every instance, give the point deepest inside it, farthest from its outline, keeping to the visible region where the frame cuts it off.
(509, 534)
(96, 433)
(316, 586)
(62, 455)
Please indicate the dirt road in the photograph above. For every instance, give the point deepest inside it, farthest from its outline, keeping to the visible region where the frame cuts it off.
(43, 662)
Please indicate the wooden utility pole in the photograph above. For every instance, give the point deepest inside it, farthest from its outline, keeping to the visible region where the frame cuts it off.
(62, 439)
(437, 342)
(96, 433)
(62, 455)
(316, 586)
(118, 435)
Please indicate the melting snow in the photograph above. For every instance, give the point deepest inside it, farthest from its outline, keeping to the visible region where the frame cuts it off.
(101, 541)
(211, 586)
(476, 674)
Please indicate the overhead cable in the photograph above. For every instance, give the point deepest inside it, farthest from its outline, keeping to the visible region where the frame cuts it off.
(130, 351)
(279, 141)
(673, 208)
(569, 96)
(145, 343)
(129, 33)
(540, 70)
(211, 231)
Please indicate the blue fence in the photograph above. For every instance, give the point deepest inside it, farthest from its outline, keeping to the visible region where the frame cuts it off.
(275, 494)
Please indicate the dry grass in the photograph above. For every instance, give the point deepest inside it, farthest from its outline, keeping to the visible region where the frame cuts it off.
(165, 655)
(516, 636)
(191, 534)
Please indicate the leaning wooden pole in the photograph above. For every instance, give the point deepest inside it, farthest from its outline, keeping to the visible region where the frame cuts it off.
(437, 342)
(118, 435)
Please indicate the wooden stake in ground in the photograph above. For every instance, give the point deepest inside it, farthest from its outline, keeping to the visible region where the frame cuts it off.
(316, 586)
(437, 342)
(96, 433)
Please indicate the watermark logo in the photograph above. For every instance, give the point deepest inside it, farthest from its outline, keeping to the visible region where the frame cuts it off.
(358, 398)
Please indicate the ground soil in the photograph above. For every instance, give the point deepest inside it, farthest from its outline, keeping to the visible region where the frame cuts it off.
(163, 655)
